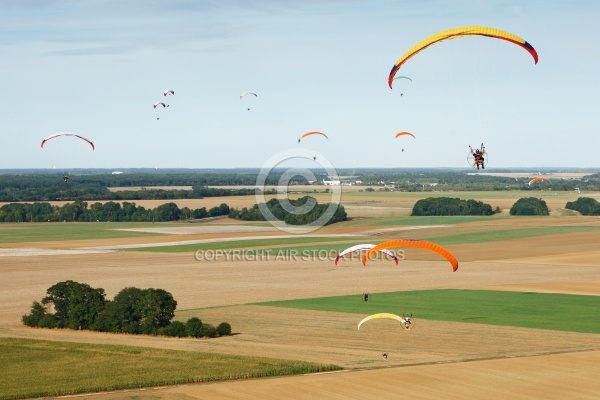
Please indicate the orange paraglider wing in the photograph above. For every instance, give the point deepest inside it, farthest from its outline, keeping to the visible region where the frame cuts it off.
(414, 243)
(310, 134)
(538, 179)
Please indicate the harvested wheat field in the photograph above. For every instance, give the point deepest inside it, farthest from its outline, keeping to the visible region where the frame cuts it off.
(436, 359)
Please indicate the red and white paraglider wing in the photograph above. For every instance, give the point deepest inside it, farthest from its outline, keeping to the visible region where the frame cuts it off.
(67, 134)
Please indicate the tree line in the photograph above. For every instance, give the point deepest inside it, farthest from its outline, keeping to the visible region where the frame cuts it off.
(73, 191)
(108, 212)
(275, 207)
(133, 310)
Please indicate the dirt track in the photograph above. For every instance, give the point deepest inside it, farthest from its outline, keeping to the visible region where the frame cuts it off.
(561, 263)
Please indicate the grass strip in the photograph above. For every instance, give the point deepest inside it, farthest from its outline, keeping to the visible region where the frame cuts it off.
(241, 244)
(435, 220)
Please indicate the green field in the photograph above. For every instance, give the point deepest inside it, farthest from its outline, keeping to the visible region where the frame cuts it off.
(57, 231)
(35, 368)
(508, 234)
(561, 312)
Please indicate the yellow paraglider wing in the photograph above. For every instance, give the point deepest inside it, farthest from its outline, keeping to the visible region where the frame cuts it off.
(380, 315)
(460, 32)
(414, 243)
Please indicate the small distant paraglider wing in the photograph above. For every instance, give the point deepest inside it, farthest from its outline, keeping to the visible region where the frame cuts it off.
(384, 315)
(168, 92)
(311, 134)
(246, 94)
(456, 33)
(414, 243)
(243, 96)
(404, 134)
(66, 134)
(361, 247)
(537, 179)
(159, 104)
(402, 77)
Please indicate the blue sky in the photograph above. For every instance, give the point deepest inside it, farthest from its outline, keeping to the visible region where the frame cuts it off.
(96, 68)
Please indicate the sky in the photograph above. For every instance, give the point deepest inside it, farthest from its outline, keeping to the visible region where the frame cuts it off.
(96, 69)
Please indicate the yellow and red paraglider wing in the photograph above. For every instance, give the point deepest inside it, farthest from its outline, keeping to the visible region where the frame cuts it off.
(414, 243)
(403, 134)
(460, 32)
(312, 133)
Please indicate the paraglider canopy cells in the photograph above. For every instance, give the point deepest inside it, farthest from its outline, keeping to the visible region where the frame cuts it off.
(457, 33)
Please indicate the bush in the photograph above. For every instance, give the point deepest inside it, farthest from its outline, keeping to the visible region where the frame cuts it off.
(224, 329)
(209, 331)
(529, 206)
(175, 329)
(193, 327)
(585, 205)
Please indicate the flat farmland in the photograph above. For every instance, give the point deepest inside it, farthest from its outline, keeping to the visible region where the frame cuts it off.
(437, 359)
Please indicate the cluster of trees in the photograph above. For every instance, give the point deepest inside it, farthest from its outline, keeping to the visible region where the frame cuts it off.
(274, 205)
(110, 211)
(133, 310)
(529, 206)
(585, 205)
(450, 206)
(455, 206)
